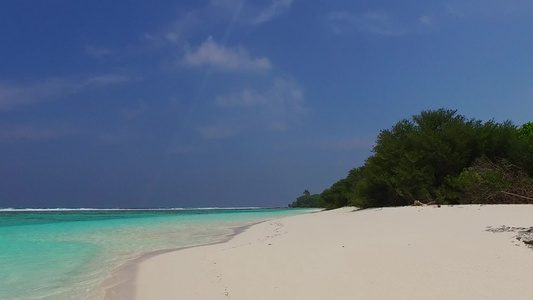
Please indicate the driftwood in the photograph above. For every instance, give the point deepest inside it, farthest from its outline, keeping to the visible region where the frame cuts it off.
(500, 182)
(524, 197)
(420, 203)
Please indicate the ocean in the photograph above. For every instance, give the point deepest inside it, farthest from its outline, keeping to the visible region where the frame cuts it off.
(67, 254)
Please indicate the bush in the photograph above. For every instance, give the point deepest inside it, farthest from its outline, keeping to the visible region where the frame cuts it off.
(501, 182)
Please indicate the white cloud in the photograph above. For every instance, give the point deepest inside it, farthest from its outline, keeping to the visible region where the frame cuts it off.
(275, 108)
(284, 97)
(276, 8)
(250, 13)
(370, 22)
(181, 29)
(425, 20)
(106, 79)
(247, 97)
(30, 133)
(180, 149)
(135, 112)
(227, 59)
(489, 8)
(97, 51)
(377, 22)
(228, 4)
(116, 138)
(12, 96)
(220, 131)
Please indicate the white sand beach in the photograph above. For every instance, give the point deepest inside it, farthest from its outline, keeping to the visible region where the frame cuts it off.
(389, 253)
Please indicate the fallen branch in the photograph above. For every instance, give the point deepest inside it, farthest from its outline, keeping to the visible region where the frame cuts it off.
(420, 203)
(516, 195)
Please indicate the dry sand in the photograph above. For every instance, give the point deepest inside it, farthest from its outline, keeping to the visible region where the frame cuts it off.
(389, 253)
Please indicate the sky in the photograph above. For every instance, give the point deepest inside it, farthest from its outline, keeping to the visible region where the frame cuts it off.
(225, 103)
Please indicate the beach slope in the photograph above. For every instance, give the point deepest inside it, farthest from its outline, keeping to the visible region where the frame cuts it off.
(459, 252)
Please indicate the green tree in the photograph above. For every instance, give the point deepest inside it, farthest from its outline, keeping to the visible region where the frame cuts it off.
(336, 196)
(343, 192)
(525, 156)
(306, 201)
(526, 131)
(497, 182)
(499, 140)
(413, 159)
(429, 156)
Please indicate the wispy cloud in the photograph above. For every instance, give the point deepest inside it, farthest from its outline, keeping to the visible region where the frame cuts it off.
(177, 38)
(247, 97)
(97, 51)
(218, 131)
(232, 14)
(135, 112)
(179, 31)
(371, 22)
(226, 59)
(489, 8)
(425, 20)
(227, 4)
(285, 98)
(180, 149)
(276, 8)
(31, 133)
(12, 96)
(376, 22)
(246, 13)
(105, 80)
(276, 108)
(118, 137)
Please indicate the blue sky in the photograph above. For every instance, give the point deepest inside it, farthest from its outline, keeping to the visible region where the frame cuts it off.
(236, 103)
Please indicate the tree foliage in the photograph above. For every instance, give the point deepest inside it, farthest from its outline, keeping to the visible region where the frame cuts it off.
(526, 131)
(431, 157)
(488, 182)
(341, 192)
(306, 201)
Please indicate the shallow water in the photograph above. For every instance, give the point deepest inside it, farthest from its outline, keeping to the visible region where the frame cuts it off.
(67, 254)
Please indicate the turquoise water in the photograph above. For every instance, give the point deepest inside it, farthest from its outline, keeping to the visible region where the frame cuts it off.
(67, 254)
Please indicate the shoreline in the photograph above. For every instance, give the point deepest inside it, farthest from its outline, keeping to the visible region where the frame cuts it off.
(384, 253)
(120, 285)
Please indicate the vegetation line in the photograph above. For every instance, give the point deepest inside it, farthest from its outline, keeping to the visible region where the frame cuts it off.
(440, 156)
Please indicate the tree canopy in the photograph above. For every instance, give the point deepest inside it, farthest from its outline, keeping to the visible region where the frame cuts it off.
(306, 201)
(429, 157)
